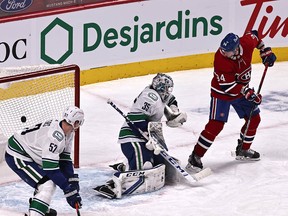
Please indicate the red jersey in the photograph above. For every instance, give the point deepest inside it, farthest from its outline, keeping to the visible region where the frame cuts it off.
(230, 75)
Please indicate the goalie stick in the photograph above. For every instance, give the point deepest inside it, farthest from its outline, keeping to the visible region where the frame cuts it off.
(190, 177)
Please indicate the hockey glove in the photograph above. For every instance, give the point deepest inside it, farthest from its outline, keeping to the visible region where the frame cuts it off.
(178, 120)
(152, 145)
(72, 196)
(174, 117)
(268, 57)
(251, 95)
(74, 181)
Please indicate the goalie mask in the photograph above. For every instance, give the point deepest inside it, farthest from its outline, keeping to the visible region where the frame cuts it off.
(163, 84)
(74, 116)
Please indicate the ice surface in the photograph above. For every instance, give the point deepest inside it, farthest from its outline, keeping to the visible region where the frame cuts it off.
(235, 188)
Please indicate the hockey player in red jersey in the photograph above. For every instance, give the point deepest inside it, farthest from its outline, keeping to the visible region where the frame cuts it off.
(230, 87)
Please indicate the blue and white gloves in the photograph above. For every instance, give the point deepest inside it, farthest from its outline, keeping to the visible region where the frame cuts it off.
(74, 181)
(72, 196)
(268, 57)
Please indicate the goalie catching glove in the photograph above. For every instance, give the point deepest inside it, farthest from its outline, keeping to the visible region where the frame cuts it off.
(153, 145)
(174, 117)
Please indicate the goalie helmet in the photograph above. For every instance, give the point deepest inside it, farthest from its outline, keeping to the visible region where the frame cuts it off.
(74, 116)
(163, 84)
(230, 42)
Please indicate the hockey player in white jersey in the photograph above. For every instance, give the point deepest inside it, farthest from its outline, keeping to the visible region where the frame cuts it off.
(144, 161)
(40, 155)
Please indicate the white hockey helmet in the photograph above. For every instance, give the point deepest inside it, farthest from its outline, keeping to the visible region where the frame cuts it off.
(163, 84)
(74, 116)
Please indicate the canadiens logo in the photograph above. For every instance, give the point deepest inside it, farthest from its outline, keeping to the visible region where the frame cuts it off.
(245, 76)
(15, 5)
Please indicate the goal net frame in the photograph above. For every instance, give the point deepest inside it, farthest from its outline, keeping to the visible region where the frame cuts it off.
(53, 71)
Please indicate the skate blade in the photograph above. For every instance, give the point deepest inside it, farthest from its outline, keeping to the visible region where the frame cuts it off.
(242, 158)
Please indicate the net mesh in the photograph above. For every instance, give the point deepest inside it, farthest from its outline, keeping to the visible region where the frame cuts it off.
(25, 102)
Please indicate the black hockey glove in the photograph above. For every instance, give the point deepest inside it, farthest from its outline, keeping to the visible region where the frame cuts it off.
(72, 196)
(74, 181)
(268, 57)
(251, 95)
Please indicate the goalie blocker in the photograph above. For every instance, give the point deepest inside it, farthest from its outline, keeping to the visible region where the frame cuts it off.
(133, 182)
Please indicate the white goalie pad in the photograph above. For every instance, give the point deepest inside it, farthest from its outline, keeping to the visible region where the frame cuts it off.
(139, 181)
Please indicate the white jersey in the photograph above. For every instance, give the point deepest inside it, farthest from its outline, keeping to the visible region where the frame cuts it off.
(148, 103)
(43, 144)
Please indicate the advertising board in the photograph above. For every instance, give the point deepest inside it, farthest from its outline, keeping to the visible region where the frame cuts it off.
(140, 31)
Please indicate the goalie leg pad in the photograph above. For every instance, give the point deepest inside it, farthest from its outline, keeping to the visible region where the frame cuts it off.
(139, 181)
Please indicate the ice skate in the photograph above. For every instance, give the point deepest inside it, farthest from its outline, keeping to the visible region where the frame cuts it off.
(194, 163)
(105, 191)
(121, 167)
(51, 212)
(246, 155)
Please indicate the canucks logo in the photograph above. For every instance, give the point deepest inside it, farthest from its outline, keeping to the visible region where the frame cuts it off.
(58, 135)
(153, 96)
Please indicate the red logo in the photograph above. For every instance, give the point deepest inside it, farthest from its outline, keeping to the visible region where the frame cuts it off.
(276, 25)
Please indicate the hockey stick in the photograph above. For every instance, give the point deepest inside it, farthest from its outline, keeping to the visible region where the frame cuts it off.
(77, 209)
(191, 178)
(254, 106)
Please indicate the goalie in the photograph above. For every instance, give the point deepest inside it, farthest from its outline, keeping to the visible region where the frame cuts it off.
(146, 168)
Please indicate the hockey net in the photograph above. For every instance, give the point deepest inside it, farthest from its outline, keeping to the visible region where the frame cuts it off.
(33, 94)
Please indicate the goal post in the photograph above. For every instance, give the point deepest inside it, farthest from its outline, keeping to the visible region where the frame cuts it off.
(38, 95)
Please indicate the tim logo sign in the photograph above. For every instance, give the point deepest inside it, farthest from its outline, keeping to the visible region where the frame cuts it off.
(15, 5)
(267, 26)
